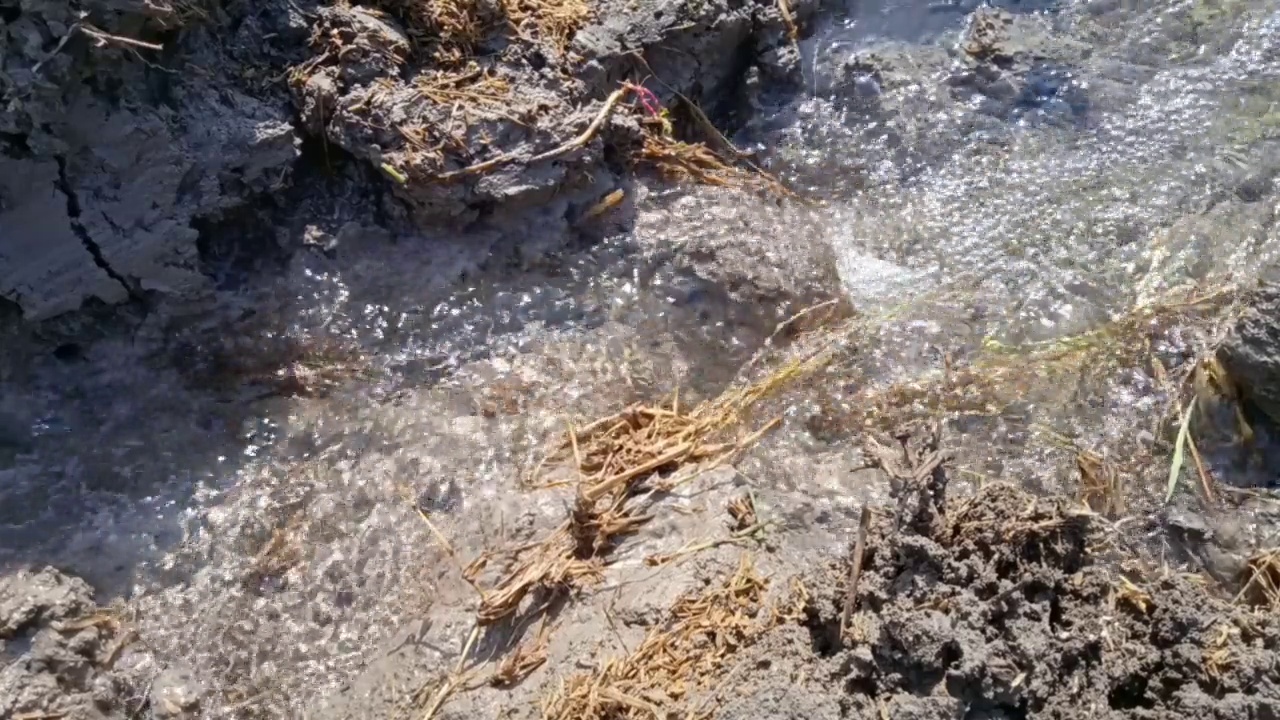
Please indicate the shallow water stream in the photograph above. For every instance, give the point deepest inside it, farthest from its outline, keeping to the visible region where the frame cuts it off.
(1107, 154)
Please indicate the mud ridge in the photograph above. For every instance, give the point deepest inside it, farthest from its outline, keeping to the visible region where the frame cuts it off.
(157, 119)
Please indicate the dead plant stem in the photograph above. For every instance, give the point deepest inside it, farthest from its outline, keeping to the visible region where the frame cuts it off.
(104, 38)
(581, 140)
(1206, 481)
(855, 569)
(455, 680)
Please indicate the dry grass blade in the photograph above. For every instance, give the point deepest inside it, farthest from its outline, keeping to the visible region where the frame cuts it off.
(699, 637)
(697, 547)
(1133, 596)
(605, 204)
(456, 680)
(580, 141)
(986, 383)
(742, 512)
(788, 19)
(856, 557)
(1206, 480)
(99, 618)
(1179, 448)
(696, 162)
(469, 572)
(1101, 488)
(523, 661)
(1262, 580)
(104, 39)
(793, 609)
(744, 524)
(1217, 654)
(550, 567)
(619, 459)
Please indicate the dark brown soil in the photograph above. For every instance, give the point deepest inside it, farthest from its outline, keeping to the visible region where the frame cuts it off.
(1004, 605)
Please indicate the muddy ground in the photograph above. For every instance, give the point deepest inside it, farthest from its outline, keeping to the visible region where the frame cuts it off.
(989, 604)
(1003, 605)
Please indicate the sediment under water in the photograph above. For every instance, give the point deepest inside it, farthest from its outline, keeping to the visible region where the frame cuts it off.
(1119, 152)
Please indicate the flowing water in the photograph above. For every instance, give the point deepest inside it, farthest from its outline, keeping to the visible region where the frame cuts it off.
(1114, 152)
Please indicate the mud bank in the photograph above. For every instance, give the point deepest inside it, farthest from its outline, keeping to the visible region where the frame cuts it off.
(135, 136)
(995, 605)
(1004, 605)
(120, 129)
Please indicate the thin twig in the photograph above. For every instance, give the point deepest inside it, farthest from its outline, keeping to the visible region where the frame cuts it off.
(698, 115)
(456, 679)
(448, 548)
(567, 147)
(104, 38)
(1206, 481)
(608, 615)
(855, 569)
(57, 49)
(697, 547)
(782, 327)
(793, 32)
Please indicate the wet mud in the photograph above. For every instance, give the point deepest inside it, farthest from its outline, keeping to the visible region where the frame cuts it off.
(1005, 605)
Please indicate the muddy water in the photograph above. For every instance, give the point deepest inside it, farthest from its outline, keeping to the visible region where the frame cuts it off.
(1118, 151)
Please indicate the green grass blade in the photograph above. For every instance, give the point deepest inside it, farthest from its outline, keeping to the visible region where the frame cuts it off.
(1175, 468)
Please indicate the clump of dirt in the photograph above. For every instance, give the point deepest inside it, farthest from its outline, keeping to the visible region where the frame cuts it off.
(998, 604)
(469, 106)
(60, 652)
(1004, 605)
